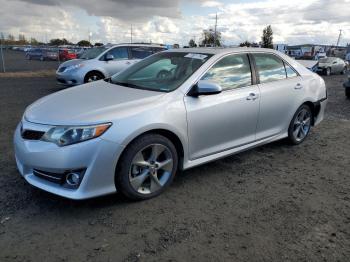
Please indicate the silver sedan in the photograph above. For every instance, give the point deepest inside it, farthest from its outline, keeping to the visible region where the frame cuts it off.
(173, 110)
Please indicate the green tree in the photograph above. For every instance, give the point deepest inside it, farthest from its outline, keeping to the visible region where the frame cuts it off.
(84, 43)
(267, 37)
(33, 41)
(192, 43)
(57, 42)
(210, 38)
(98, 44)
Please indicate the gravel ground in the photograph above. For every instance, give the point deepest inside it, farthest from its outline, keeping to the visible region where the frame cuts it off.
(273, 203)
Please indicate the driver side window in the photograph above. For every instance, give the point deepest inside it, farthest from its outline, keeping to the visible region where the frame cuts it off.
(119, 53)
(230, 72)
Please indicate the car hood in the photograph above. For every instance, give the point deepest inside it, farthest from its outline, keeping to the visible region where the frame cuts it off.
(91, 103)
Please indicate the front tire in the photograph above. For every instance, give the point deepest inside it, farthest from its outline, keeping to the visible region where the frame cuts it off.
(300, 125)
(147, 167)
(93, 76)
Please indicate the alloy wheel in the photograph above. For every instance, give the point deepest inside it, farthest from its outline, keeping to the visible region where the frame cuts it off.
(151, 169)
(302, 125)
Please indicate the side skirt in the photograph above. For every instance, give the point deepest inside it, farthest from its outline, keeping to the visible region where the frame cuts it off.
(192, 163)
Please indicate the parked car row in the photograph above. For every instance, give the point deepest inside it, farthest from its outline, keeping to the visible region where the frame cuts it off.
(57, 54)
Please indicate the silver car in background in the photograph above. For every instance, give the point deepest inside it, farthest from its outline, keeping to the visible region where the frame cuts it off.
(173, 110)
(331, 65)
(102, 62)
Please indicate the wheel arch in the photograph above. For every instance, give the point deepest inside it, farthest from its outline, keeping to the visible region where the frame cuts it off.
(315, 109)
(92, 71)
(174, 138)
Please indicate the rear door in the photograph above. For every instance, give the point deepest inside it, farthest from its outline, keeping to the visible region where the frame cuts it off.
(227, 120)
(281, 93)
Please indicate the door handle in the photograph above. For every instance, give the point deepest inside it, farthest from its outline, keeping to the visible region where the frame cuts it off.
(298, 86)
(252, 96)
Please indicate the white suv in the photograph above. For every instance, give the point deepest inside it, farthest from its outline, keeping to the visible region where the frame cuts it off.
(102, 62)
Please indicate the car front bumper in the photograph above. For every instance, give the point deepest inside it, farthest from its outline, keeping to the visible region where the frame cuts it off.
(97, 157)
(69, 78)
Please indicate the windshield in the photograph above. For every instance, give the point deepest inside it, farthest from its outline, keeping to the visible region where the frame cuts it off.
(327, 60)
(163, 72)
(93, 52)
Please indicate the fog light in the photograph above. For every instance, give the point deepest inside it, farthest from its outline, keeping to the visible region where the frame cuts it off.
(73, 179)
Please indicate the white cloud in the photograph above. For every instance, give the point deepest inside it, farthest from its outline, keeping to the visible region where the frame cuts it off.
(211, 4)
(294, 22)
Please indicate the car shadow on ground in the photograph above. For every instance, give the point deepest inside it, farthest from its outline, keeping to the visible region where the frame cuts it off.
(41, 198)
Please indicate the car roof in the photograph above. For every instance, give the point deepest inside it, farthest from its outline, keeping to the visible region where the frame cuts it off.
(136, 45)
(223, 50)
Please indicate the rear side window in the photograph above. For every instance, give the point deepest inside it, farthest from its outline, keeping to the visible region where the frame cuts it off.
(140, 52)
(232, 71)
(290, 71)
(270, 68)
(119, 53)
(158, 49)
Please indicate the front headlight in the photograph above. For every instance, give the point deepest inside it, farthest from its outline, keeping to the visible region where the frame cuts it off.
(73, 67)
(67, 135)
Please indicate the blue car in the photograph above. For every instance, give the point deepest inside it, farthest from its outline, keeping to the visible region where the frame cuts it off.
(42, 54)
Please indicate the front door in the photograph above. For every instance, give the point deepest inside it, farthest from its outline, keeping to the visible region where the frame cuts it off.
(120, 62)
(227, 120)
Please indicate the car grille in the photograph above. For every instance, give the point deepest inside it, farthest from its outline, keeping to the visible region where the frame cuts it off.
(61, 69)
(52, 177)
(32, 135)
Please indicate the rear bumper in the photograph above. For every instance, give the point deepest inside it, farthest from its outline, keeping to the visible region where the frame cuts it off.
(321, 104)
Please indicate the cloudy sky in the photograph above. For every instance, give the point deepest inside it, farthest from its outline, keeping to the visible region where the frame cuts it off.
(177, 21)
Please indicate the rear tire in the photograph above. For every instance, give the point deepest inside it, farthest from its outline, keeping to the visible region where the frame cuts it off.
(300, 125)
(344, 71)
(147, 167)
(347, 92)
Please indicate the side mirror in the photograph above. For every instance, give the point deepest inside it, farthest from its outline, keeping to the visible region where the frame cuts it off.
(109, 57)
(334, 62)
(204, 87)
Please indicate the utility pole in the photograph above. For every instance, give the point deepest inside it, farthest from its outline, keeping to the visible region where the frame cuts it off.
(340, 31)
(89, 35)
(2, 53)
(131, 34)
(216, 24)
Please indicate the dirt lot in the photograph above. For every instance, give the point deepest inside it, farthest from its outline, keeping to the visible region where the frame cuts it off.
(274, 203)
